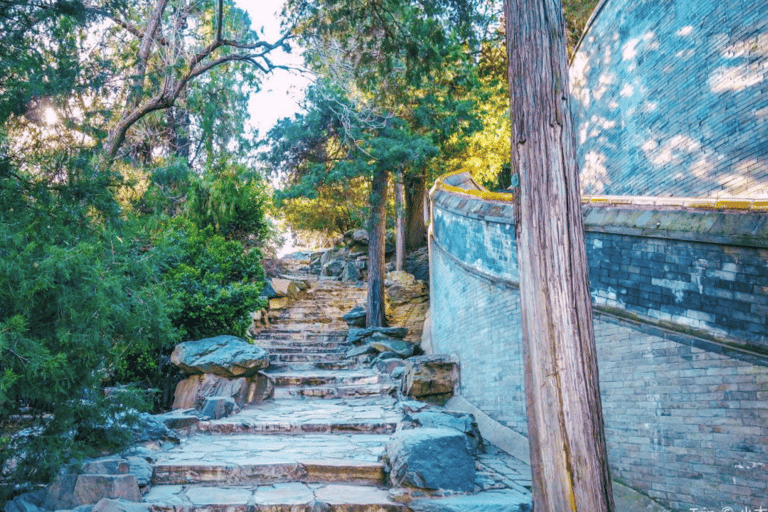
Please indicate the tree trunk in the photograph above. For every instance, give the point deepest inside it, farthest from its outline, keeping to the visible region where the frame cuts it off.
(415, 229)
(376, 250)
(399, 222)
(565, 420)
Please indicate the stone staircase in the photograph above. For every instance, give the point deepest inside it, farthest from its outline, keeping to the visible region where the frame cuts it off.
(315, 446)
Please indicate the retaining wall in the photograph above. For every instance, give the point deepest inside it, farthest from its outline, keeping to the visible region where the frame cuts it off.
(680, 326)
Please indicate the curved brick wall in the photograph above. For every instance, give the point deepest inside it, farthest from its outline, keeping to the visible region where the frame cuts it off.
(671, 99)
(681, 302)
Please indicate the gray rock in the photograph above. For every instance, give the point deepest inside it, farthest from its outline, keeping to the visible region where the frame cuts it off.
(351, 272)
(91, 488)
(463, 422)
(358, 237)
(141, 469)
(356, 334)
(192, 391)
(268, 292)
(356, 317)
(60, 494)
(386, 344)
(489, 501)
(215, 407)
(119, 505)
(431, 458)
(179, 419)
(152, 428)
(27, 502)
(431, 378)
(225, 356)
(390, 364)
(359, 351)
(334, 268)
(110, 465)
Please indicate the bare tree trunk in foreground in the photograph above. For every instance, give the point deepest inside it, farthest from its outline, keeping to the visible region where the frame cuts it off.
(565, 419)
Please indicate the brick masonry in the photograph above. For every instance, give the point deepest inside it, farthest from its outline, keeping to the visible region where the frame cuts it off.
(684, 385)
(671, 99)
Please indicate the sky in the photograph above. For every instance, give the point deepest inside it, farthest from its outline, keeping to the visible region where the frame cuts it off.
(281, 90)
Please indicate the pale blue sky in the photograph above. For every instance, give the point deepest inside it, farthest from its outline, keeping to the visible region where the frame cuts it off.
(281, 90)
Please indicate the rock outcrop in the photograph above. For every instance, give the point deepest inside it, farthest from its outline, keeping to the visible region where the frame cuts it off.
(224, 356)
(431, 458)
(431, 378)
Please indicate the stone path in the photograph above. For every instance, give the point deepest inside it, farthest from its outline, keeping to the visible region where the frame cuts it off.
(316, 445)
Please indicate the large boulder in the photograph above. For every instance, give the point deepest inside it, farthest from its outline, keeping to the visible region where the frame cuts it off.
(109, 478)
(430, 458)
(437, 417)
(27, 502)
(225, 356)
(431, 378)
(192, 392)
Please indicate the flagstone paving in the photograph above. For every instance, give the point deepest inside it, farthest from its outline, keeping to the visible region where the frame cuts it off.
(317, 444)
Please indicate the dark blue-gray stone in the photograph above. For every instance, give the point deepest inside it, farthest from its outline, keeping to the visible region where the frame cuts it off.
(431, 458)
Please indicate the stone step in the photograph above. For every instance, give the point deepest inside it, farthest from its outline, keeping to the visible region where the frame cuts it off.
(309, 351)
(345, 364)
(336, 391)
(267, 459)
(323, 377)
(311, 345)
(288, 497)
(294, 335)
(296, 416)
(302, 357)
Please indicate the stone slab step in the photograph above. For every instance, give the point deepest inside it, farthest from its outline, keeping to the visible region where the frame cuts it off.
(303, 357)
(281, 497)
(266, 459)
(296, 416)
(293, 335)
(306, 348)
(323, 377)
(336, 391)
(346, 364)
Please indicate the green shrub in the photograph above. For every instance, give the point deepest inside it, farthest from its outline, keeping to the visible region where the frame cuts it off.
(72, 303)
(215, 283)
(231, 200)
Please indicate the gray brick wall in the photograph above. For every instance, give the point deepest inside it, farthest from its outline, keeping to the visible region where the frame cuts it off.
(686, 417)
(671, 99)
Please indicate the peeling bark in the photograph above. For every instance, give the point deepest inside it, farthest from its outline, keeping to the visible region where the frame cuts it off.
(565, 420)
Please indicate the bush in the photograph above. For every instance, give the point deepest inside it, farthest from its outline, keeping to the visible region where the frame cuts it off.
(216, 284)
(92, 295)
(74, 298)
(232, 201)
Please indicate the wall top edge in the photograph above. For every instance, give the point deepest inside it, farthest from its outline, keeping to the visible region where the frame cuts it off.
(678, 203)
(461, 183)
